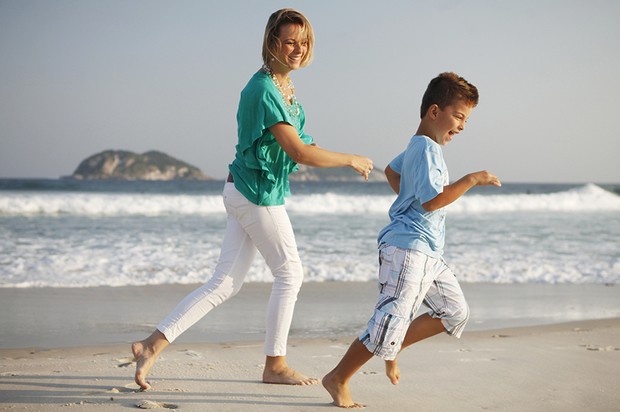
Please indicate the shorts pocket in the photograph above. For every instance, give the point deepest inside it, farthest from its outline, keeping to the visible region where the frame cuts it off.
(396, 306)
(387, 332)
(386, 266)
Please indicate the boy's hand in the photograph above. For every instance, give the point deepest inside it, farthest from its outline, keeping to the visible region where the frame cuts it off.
(484, 178)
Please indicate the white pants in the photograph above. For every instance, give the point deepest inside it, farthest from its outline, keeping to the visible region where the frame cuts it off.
(249, 228)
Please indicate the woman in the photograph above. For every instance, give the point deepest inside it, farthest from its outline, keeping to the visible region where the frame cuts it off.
(271, 141)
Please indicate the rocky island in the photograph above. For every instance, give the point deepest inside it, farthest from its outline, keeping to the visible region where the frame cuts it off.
(125, 165)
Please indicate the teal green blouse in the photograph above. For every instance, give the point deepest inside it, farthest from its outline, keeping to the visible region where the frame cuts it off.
(261, 167)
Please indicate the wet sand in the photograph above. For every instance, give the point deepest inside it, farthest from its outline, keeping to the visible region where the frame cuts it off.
(528, 347)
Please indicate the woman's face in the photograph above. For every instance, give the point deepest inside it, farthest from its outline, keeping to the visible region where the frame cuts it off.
(293, 46)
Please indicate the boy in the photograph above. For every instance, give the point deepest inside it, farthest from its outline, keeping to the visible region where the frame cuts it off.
(411, 267)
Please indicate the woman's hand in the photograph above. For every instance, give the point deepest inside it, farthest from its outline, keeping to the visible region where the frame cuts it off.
(362, 165)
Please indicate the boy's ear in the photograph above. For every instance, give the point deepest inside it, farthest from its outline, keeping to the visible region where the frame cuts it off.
(433, 111)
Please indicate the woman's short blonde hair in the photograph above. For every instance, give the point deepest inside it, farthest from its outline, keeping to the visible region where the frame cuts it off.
(271, 42)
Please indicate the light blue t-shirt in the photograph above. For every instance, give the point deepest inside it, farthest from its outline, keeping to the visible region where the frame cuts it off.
(423, 175)
(261, 167)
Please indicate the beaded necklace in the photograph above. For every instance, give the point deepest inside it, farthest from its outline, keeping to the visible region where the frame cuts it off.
(289, 99)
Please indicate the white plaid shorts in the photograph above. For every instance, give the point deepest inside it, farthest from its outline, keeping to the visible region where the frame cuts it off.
(408, 278)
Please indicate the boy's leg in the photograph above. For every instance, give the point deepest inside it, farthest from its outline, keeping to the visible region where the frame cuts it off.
(337, 381)
(450, 313)
(422, 327)
(447, 302)
(402, 286)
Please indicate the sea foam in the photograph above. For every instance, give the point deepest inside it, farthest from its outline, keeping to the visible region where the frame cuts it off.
(584, 198)
(88, 239)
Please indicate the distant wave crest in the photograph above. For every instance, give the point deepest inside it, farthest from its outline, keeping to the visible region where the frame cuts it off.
(589, 197)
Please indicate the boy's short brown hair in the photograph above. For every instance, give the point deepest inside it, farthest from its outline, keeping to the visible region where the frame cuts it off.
(445, 89)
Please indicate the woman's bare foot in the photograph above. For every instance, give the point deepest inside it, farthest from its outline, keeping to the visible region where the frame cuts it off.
(392, 371)
(278, 372)
(145, 354)
(339, 391)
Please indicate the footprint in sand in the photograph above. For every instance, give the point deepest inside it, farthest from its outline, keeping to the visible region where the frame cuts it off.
(125, 362)
(112, 391)
(601, 348)
(191, 353)
(146, 404)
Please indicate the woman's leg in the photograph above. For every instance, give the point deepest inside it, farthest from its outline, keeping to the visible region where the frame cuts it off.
(236, 256)
(271, 231)
(145, 353)
(234, 262)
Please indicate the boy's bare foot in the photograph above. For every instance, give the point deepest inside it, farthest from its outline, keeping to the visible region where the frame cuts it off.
(145, 354)
(339, 392)
(392, 371)
(278, 372)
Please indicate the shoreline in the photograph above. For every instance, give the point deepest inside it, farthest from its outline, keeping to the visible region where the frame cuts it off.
(560, 367)
(38, 317)
(528, 347)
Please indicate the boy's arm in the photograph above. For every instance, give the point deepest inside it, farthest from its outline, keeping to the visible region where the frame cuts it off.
(457, 189)
(393, 179)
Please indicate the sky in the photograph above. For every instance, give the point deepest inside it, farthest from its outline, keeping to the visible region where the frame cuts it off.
(78, 77)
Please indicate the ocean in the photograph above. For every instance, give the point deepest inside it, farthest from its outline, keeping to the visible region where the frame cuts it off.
(80, 234)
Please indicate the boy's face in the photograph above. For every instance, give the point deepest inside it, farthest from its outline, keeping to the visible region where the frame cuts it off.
(449, 122)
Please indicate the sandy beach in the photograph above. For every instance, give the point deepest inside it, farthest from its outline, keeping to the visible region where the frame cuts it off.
(528, 347)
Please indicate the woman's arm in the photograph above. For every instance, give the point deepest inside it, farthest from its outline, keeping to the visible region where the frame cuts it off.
(310, 155)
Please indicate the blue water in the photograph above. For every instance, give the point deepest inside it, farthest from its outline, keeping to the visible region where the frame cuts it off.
(116, 233)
